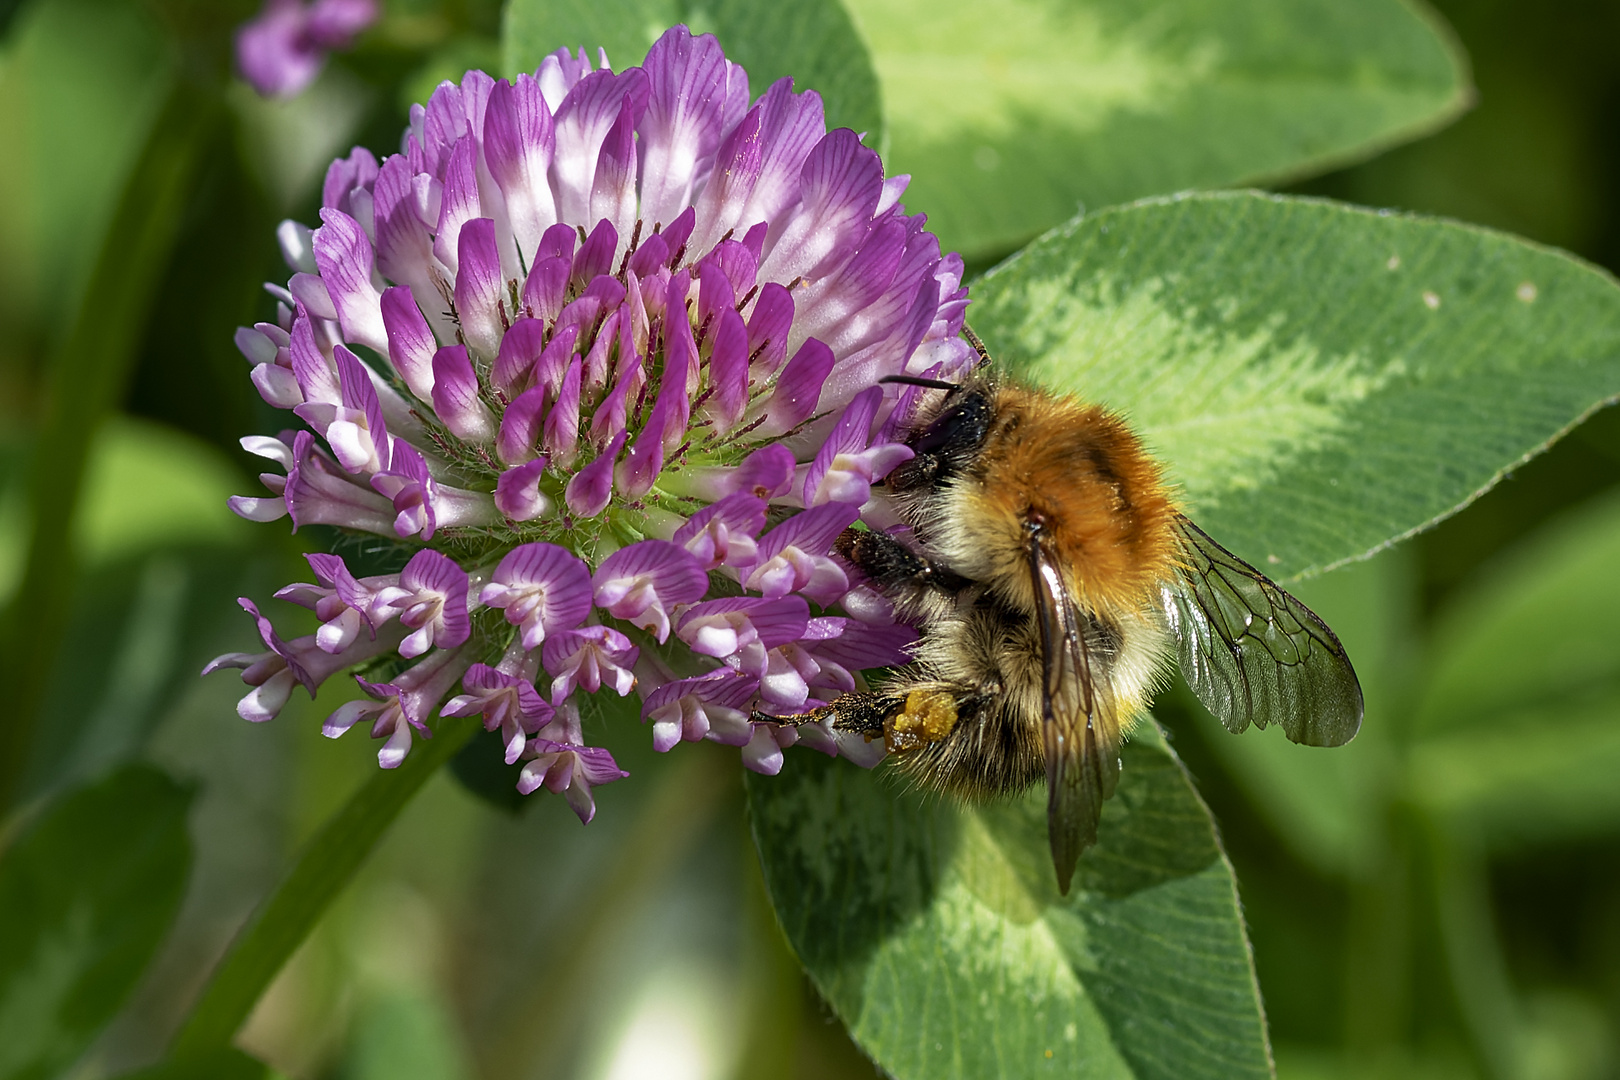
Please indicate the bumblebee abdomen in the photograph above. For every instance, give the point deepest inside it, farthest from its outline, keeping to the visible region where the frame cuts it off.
(989, 658)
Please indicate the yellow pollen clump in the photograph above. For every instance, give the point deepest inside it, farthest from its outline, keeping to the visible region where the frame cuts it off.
(928, 717)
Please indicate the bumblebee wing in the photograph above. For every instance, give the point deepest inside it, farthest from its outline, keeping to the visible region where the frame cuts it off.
(1081, 732)
(1254, 654)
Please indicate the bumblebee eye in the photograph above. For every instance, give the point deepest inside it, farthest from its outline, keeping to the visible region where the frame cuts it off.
(960, 428)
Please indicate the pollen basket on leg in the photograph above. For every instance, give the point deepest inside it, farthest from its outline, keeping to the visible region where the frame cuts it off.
(928, 717)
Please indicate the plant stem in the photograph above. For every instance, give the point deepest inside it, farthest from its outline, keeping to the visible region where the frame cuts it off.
(1378, 968)
(325, 866)
(1473, 952)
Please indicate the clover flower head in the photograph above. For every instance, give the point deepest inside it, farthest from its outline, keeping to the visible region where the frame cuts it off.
(603, 355)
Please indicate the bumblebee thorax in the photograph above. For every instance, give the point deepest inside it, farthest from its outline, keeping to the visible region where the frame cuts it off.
(1076, 475)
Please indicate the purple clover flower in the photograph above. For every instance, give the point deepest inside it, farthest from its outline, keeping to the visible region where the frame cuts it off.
(281, 50)
(605, 350)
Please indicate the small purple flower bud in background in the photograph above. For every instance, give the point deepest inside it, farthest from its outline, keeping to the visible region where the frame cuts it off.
(401, 706)
(601, 356)
(712, 706)
(723, 533)
(434, 603)
(791, 557)
(284, 47)
(848, 462)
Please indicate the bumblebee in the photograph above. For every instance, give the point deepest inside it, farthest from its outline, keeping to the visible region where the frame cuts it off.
(1054, 581)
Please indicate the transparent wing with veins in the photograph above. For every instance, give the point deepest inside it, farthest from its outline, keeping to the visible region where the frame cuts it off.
(1252, 653)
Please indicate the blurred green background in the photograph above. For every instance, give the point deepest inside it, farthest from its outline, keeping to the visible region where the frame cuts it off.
(1442, 899)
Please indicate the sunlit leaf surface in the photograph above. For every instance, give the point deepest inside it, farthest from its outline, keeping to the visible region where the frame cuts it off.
(1319, 379)
(939, 935)
(1009, 114)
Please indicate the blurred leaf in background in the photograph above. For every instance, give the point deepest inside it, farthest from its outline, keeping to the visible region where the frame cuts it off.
(1513, 725)
(1492, 734)
(813, 42)
(87, 891)
(96, 68)
(159, 548)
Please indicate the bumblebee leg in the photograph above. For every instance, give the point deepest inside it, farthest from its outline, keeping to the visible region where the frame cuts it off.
(891, 564)
(860, 713)
(922, 471)
(904, 721)
(814, 716)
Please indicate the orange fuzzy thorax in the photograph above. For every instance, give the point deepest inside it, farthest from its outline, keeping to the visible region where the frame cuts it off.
(1103, 508)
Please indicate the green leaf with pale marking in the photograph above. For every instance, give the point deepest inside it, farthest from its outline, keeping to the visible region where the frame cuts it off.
(86, 894)
(812, 41)
(1518, 728)
(1009, 113)
(939, 936)
(1319, 379)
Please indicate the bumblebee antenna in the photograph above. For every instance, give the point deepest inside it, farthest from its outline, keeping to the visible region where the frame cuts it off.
(978, 346)
(918, 380)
